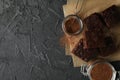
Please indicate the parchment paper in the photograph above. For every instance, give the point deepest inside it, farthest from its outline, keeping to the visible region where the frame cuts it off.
(89, 7)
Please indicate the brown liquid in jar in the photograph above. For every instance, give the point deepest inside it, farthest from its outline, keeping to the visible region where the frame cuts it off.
(101, 71)
(72, 26)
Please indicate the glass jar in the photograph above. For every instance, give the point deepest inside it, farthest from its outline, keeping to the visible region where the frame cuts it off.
(100, 66)
(72, 25)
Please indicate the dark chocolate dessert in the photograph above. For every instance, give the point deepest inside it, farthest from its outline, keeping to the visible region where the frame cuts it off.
(90, 53)
(109, 47)
(94, 39)
(111, 16)
(84, 54)
(78, 50)
(94, 22)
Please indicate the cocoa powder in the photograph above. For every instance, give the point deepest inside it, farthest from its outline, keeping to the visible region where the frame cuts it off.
(101, 71)
(72, 25)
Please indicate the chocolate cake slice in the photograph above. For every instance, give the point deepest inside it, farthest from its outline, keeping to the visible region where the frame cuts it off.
(90, 53)
(94, 39)
(94, 22)
(78, 50)
(109, 48)
(111, 16)
(84, 54)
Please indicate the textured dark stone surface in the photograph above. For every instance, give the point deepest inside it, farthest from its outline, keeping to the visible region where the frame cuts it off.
(29, 41)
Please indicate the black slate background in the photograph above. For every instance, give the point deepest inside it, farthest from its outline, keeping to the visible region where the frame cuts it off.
(29, 41)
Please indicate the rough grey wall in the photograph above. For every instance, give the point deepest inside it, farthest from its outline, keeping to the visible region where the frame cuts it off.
(29, 41)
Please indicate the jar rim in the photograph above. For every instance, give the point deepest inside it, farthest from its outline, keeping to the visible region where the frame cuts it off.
(75, 17)
(90, 67)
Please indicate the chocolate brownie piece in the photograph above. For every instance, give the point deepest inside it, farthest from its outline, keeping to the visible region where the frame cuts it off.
(78, 50)
(84, 54)
(109, 48)
(90, 53)
(94, 39)
(111, 16)
(94, 22)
